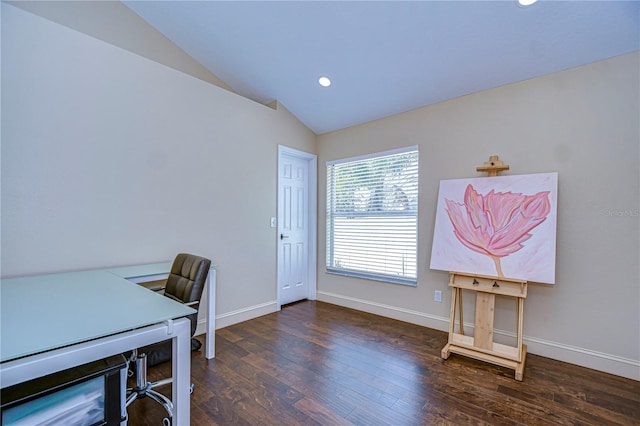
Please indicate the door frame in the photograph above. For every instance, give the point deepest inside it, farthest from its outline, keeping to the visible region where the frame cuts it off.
(312, 226)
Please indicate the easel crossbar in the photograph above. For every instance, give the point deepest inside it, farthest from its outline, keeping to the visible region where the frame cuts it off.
(518, 366)
(497, 349)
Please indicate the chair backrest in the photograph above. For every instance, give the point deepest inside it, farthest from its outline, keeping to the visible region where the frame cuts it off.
(186, 281)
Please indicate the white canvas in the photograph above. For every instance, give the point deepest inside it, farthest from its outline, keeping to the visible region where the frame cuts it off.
(501, 226)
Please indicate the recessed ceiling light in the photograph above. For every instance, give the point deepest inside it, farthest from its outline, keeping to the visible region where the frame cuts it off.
(526, 2)
(324, 81)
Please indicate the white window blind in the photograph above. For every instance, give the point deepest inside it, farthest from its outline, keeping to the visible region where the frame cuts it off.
(372, 211)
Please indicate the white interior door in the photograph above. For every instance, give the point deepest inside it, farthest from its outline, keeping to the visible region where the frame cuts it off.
(294, 217)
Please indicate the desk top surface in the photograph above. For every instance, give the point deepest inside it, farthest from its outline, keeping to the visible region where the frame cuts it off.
(45, 312)
(141, 271)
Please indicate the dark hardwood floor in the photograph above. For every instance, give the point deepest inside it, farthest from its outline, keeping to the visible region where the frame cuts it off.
(315, 363)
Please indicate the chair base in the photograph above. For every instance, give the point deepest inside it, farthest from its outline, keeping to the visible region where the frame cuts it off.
(156, 396)
(144, 388)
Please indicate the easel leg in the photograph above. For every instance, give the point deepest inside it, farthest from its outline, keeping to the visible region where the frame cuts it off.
(520, 323)
(520, 366)
(461, 323)
(452, 324)
(522, 348)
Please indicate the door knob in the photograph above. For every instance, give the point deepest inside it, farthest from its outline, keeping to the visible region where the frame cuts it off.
(282, 236)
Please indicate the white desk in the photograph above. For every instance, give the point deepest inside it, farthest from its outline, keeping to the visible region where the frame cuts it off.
(160, 271)
(49, 323)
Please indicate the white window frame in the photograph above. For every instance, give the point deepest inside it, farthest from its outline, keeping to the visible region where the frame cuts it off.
(407, 277)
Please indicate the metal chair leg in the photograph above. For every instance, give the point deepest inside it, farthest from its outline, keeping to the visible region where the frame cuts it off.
(145, 388)
(162, 400)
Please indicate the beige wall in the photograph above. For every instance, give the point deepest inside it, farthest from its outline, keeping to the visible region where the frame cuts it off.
(115, 23)
(582, 123)
(109, 158)
(93, 135)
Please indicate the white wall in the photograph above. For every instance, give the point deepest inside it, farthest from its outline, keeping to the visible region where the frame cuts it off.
(582, 123)
(109, 158)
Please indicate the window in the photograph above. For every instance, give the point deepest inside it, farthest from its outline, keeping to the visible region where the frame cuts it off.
(372, 212)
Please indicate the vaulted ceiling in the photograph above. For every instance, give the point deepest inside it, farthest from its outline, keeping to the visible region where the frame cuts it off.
(387, 57)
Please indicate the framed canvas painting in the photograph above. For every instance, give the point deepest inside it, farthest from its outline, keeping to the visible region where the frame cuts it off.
(503, 226)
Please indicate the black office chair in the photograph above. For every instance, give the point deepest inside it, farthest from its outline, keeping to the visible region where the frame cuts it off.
(185, 284)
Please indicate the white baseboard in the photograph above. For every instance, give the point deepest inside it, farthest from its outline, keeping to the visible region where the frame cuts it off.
(607, 363)
(234, 317)
(406, 315)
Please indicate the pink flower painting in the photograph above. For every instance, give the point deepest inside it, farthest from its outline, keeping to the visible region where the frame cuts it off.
(501, 226)
(498, 223)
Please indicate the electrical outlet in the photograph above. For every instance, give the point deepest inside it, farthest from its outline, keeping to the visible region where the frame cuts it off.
(437, 297)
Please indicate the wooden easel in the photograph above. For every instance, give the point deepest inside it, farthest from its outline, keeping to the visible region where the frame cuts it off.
(481, 345)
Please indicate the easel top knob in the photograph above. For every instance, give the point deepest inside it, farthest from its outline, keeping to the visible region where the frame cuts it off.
(493, 166)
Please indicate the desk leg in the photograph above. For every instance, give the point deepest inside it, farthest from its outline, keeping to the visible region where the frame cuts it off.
(210, 346)
(181, 369)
